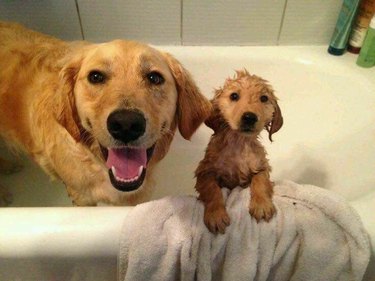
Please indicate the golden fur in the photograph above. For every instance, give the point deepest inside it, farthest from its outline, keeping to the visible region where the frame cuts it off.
(50, 110)
(234, 155)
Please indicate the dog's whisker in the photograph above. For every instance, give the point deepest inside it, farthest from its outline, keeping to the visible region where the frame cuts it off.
(168, 131)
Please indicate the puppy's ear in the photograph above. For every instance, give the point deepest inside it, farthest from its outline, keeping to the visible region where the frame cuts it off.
(215, 121)
(66, 110)
(192, 107)
(276, 123)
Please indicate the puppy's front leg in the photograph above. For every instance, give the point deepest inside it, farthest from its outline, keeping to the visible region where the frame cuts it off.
(261, 188)
(216, 217)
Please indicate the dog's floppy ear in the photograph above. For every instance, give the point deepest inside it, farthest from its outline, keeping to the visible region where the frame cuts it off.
(277, 121)
(216, 120)
(66, 109)
(192, 107)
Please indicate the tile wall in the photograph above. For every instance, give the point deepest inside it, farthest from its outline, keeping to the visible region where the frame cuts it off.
(181, 22)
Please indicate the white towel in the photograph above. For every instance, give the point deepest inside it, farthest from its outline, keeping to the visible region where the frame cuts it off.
(315, 235)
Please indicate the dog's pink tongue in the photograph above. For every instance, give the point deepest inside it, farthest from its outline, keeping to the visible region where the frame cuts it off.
(127, 161)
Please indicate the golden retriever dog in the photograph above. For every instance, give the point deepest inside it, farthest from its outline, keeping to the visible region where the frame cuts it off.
(234, 156)
(97, 116)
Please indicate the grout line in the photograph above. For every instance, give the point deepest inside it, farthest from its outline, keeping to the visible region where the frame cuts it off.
(282, 23)
(181, 23)
(80, 20)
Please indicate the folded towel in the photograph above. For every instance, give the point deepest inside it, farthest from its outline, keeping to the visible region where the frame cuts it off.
(315, 235)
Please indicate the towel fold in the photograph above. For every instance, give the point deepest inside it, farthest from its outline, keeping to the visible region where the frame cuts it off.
(315, 235)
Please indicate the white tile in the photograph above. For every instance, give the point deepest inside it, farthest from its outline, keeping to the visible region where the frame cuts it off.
(53, 17)
(236, 22)
(157, 22)
(309, 22)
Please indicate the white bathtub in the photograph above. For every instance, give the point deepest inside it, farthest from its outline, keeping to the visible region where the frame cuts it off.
(328, 139)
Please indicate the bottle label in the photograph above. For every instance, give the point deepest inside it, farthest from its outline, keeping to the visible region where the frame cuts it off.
(358, 36)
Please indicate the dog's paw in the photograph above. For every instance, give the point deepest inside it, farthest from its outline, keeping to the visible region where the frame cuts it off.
(6, 198)
(216, 219)
(8, 167)
(262, 209)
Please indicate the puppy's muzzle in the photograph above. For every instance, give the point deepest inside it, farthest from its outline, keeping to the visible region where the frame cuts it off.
(126, 125)
(248, 121)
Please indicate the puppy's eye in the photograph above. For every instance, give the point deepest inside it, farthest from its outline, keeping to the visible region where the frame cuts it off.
(234, 96)
(96, 77)
(155, 78)
(264, 98)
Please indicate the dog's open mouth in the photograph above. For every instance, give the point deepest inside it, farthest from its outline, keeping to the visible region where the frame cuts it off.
(127, 166)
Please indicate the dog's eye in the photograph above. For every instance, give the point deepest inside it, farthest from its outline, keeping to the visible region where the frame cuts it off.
(155, 78)
(234, 96)
(96, 77)
(263, 98)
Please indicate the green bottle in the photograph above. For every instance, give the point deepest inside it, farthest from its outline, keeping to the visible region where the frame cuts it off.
(366, 57)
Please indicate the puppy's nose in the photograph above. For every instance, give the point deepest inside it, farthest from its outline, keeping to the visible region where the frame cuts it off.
(248, 119)
(126, 125)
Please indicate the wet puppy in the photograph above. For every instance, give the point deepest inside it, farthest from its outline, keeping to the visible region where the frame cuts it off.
(97, 116)
(242, 108)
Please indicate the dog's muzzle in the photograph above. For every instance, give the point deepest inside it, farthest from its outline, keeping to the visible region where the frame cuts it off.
(127, 163)
(248, 121)
(126, 125)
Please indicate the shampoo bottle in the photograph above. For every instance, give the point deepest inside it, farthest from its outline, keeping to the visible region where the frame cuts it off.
(343, 27)
(365, 12)
(366, 57)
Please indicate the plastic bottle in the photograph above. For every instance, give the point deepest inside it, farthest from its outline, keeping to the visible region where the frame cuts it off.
(366, 57)
(343, 27)
(365, 12)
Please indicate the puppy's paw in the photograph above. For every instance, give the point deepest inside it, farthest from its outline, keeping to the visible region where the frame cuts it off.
(262, 209)
(216, 219)
(8, 167)
(6, 198)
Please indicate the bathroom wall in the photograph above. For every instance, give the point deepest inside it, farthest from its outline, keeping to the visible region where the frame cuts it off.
(181, 22)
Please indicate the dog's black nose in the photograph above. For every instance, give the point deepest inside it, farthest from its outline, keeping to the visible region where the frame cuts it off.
(126, 125)
(248, 119)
